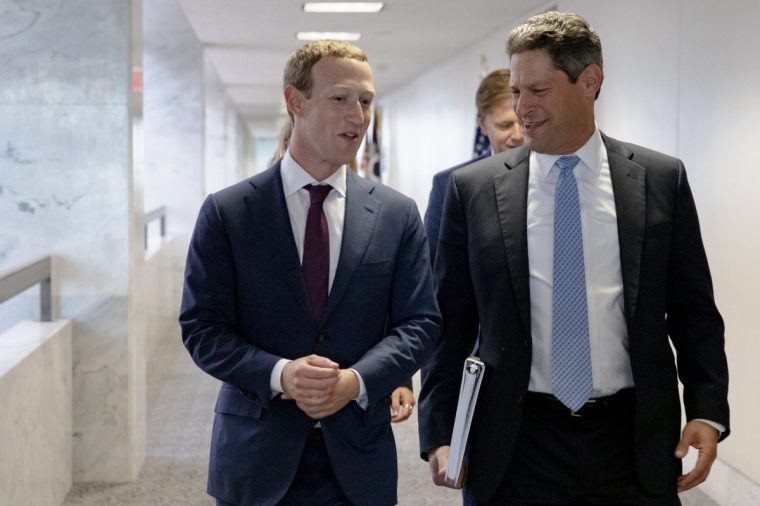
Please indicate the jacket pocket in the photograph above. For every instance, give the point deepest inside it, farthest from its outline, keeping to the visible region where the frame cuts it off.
(658, 230)
(231, 401)
(373, 269)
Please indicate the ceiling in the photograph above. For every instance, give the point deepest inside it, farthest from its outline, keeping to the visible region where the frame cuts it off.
(248, 41)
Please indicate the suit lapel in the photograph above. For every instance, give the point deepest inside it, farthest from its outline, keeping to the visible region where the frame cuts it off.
(269, 212)
(628, 186)
(362, 210)
(511, 188)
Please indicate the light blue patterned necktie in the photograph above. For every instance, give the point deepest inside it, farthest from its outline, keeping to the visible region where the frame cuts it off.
(571, 354)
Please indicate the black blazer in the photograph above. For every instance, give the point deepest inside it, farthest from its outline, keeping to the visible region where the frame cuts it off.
(482, 274)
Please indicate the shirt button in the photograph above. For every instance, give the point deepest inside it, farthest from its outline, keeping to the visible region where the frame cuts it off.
(321, 338)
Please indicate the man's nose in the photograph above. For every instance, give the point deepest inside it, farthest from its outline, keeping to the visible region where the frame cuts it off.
(356, 113)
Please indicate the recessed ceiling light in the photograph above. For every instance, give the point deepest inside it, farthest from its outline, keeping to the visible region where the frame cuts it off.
(347, 36)
(342, 6)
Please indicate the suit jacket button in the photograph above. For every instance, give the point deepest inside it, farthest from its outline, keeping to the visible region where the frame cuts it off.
(520, 399)
(321, 338)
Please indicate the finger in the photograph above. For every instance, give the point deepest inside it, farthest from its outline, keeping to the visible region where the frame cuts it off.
(440, 477)
(407, 397)
(309, 388)
(314, 372)
(433, 463)
(395, 402)
(438, 464)
(325, 384)
(690, 480)
(682, 448)
(321, 362)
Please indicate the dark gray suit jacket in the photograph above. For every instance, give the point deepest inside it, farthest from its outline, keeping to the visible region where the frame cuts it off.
(482, 275)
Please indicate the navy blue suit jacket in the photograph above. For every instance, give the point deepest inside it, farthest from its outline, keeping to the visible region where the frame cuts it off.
(245, 306)
(435, 204)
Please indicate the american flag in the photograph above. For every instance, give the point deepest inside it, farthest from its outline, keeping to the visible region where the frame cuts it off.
(482, 145)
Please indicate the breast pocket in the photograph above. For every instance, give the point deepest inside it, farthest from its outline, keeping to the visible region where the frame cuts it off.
(658, 230)
(373, 269)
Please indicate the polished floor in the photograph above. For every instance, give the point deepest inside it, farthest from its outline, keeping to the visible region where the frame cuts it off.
(181, 400)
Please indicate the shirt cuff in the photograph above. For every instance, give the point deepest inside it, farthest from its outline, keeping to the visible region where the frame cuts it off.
(361, 399)
(715, 425)
(275, 383)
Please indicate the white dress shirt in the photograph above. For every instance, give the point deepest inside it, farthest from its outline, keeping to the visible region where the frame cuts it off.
(297, 199)
(608, 336)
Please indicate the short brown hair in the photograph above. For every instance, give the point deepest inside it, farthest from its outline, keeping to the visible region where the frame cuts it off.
(493, 88)
(298, 68)
(570, 41)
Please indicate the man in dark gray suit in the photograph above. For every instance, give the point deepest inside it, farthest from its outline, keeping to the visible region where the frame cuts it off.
(577, 256)
(308, 292)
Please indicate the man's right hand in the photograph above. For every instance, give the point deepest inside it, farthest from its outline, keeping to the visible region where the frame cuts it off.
(309, 381)
(439, 461)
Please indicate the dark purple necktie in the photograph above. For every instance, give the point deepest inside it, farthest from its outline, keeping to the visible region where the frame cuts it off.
(316, 251)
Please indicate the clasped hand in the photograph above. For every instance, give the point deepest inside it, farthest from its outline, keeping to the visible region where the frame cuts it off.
(318, 385)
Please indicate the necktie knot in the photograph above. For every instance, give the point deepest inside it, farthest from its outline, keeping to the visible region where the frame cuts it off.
(318, 193)
(567, 163)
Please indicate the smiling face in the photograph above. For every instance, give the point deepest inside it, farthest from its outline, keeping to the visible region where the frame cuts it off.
(501, 126)
(331, 122)
(557, 115)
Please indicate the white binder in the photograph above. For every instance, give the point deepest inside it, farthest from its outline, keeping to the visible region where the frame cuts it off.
(472, 377)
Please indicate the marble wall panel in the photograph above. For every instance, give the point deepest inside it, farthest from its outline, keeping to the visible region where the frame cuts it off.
(35, 420)
(59, 52)
(102, 441)
(63, 191)
(66, 189)
(173, 115)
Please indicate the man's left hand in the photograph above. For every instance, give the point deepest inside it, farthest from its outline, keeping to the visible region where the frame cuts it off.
(704, 438)
(343, 392)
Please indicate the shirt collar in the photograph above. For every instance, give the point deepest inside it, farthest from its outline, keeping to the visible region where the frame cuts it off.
(591, 155)
(294, 177)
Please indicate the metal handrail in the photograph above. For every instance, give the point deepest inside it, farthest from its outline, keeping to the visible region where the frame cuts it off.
(157, 214)
(17, 280)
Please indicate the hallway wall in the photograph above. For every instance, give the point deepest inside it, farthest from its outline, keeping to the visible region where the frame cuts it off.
(680, 78)
(65, 173)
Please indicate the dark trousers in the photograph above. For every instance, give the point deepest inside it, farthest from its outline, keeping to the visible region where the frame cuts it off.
(314, 483)
(586, 458)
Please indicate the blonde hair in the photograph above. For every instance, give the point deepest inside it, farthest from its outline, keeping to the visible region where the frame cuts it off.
(493, 88)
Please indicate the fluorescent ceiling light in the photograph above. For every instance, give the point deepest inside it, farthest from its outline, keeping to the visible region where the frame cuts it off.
(348, 36)
(342, 6)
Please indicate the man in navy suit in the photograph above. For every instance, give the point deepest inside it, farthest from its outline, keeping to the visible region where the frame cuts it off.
(580, 260)
(498, 122)
(308, 293)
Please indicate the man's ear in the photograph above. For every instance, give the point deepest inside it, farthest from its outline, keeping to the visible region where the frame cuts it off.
(591, 78)
(294, 100)
(482, 125)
